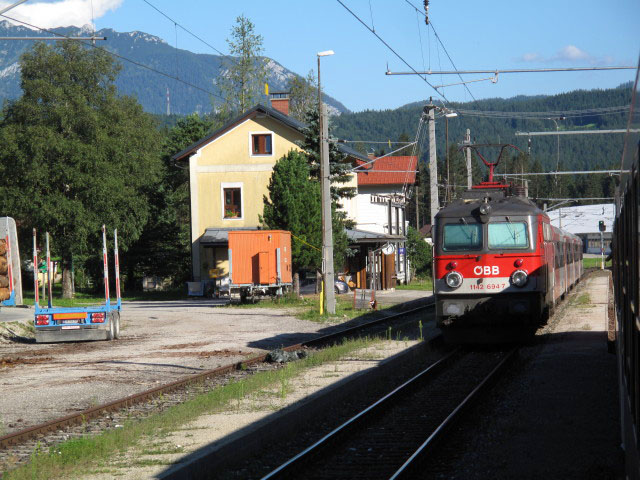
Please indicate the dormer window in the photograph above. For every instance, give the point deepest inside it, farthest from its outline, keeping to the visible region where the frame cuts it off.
(261, 144)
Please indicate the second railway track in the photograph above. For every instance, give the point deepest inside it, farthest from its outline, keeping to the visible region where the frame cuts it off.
(389, 438)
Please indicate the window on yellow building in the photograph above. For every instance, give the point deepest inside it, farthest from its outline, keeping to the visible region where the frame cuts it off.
(232, 203)
(261, 144)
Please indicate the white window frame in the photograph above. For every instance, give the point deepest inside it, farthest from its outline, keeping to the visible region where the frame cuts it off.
(273, 144)
(239, 185)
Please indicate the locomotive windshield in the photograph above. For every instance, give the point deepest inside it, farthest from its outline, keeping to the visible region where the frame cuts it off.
(462, 237)
(508, 235)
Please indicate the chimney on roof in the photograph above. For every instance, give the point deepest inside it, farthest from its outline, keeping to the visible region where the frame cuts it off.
(280, 101)
(371, 155)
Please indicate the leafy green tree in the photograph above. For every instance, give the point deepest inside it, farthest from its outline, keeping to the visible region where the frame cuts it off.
(419, 253)
(294, 204)
(244, 73)
(76, 155)
(303, 95)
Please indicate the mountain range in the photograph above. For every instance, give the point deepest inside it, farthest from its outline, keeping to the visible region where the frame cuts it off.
(149, 87)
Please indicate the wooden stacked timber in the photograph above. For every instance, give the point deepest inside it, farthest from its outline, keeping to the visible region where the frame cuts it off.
(5, 293)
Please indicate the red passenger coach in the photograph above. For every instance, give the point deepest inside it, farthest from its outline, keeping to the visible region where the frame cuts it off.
(499, 265)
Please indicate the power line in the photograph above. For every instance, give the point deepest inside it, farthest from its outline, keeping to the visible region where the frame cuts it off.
(444, 48)
(577, 198)
(373, 141)
(512, 70)
(576, 132)
(392, 50)
(151, 69)
(546, 114)
(185, 29)
(578, 172)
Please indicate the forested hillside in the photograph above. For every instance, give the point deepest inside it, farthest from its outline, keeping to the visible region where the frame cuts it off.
(577, 152)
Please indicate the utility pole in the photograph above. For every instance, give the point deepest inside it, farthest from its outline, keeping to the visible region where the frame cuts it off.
(417, 208)
(327, 227)
(433, 166)
(467, 151)
(447, 196)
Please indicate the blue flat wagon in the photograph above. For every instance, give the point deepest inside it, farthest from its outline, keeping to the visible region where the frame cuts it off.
(70, 324)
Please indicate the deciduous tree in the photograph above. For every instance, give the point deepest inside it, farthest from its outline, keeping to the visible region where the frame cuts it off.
(303, 95)
(243, 73)
(75, 154)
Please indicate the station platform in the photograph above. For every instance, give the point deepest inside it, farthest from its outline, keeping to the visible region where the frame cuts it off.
(557, 414)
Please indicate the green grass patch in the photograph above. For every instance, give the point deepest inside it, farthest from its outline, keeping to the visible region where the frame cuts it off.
(593, 262)
(417, 284)
(582, 300)
(79, 456)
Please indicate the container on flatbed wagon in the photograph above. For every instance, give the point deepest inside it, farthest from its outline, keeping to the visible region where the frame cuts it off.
(259, 262)
(70, 324)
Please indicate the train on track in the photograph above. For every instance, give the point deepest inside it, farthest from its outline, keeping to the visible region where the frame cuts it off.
(626, 278)
(499, 264)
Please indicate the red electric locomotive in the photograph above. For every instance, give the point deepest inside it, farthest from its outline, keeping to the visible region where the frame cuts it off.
(499, 265)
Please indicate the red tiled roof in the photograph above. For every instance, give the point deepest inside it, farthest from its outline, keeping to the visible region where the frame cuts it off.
(389, 171)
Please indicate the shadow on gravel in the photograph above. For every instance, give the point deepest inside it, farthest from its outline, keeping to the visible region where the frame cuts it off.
(558, 403)
(20, 339)
(217, 458)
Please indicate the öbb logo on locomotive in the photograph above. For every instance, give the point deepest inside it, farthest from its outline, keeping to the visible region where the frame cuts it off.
(486, 270)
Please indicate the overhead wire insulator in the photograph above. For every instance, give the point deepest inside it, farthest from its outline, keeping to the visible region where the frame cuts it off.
(426, 12)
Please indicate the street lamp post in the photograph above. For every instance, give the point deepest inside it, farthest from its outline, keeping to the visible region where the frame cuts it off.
(325, 171)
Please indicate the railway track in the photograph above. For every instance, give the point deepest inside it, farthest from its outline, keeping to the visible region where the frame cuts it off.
(17, 447)
(390, 438)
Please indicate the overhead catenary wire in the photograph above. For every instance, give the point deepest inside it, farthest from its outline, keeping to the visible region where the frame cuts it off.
(185, 29)
(392, 50)
(121, 57)
(544, 115)
(443, 47)
(516, 70)
(361, 168)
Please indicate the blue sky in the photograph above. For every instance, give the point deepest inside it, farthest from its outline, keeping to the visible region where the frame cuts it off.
(477, 35)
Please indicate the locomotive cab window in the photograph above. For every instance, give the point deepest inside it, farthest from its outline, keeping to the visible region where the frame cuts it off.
(458, 237)
(506, 235)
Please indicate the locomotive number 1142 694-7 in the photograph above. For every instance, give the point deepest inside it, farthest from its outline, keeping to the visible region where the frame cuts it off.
(486, 270)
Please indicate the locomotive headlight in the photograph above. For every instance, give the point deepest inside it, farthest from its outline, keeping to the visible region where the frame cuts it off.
(453, 279)
(485, 209)
(519, 278)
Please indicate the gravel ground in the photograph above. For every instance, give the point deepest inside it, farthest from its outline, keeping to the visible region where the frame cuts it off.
(161, 341)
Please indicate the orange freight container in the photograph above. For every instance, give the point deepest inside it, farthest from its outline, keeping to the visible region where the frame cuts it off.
(259, 257)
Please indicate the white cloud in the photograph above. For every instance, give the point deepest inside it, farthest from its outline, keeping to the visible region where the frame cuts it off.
(572, 54)
(62, 13)
(531, 57)
(569, 54)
